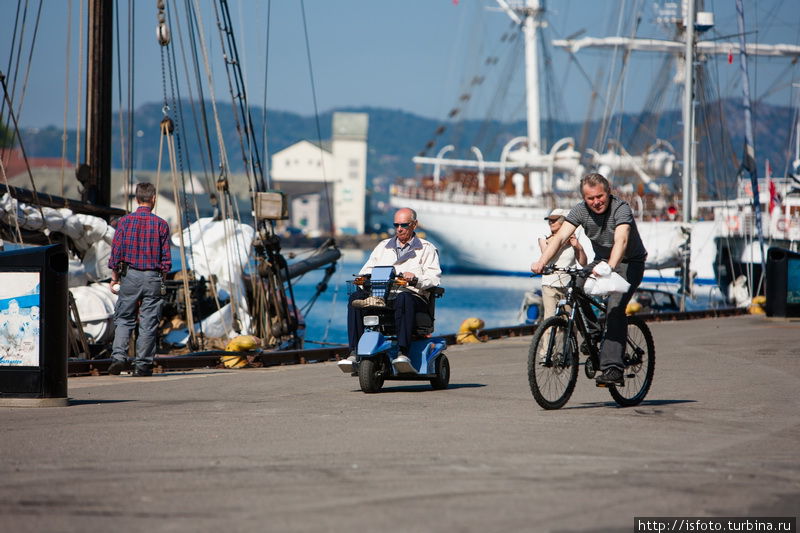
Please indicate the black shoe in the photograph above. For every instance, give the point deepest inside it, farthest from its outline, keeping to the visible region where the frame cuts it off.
(116, 368)
(142, 373)
(610, 376)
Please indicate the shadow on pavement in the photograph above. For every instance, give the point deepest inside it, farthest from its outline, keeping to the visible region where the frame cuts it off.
(425, 387)
(645, 403)
(90, 402)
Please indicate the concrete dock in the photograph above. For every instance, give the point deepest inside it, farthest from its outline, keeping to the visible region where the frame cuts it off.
(301, 448)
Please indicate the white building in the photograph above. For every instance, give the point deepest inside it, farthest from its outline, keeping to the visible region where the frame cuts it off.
(305, 169)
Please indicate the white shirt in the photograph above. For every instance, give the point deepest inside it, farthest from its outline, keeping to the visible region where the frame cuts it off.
(421, 258)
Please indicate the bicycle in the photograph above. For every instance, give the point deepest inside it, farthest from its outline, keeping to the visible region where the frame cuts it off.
(553, 357)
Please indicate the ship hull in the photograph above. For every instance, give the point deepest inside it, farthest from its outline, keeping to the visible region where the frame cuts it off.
(504, 239)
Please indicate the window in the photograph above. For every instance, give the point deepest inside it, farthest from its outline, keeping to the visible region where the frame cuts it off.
(354, 163)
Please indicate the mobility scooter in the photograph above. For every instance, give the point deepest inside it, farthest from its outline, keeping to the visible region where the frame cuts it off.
(377, 346)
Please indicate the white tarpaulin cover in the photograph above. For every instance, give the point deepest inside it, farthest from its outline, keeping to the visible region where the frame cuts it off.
(92, 235)
(95, 305)
(221, 248)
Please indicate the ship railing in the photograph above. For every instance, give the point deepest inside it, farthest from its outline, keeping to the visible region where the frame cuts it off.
(462, 196)
(775, 226)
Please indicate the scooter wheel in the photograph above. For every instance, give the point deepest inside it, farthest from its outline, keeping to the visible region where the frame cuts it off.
(369, 376)
(442, 379)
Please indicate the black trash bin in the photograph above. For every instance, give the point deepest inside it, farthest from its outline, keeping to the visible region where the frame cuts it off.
(33, 326)
(783, 283)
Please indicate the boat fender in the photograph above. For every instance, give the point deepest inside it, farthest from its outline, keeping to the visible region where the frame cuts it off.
(242, 343)
(468, 329)
(732, 223)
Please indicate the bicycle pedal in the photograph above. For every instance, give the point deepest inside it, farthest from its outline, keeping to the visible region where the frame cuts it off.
(605, 385)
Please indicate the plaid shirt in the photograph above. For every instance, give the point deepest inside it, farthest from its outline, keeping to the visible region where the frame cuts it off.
(142, 241)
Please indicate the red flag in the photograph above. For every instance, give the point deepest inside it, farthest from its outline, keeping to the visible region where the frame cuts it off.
(730, 57)
(774, 197)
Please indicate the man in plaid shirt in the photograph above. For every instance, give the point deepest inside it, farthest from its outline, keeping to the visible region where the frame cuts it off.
(140, 257)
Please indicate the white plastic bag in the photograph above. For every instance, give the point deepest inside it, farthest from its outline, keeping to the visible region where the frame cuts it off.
(604, 285)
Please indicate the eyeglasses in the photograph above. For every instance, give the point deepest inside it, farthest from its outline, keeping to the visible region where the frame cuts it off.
(402, 224)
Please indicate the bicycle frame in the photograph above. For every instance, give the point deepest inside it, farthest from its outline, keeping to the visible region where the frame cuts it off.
(577, 320)
(575, 315)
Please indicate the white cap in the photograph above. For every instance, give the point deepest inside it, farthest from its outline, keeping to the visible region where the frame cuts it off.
(556, 213)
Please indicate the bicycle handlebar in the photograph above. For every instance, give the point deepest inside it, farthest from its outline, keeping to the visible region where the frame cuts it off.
(582, 272)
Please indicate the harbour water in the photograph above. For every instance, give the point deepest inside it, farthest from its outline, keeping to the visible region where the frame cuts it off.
(494, 299)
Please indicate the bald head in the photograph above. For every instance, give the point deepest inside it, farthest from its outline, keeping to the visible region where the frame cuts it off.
(405, 221)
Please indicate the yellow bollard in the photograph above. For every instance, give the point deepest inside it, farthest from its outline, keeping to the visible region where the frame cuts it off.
(633, 307)
(242, 343)
(467, 330)
(757, 306)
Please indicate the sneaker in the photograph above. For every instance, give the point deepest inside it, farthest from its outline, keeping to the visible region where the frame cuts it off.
(370, 301)
(402, 364)
(116, 368)
(610, 376)
(346, 365)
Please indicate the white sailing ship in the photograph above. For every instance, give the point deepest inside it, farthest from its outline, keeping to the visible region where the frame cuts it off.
(486, 214)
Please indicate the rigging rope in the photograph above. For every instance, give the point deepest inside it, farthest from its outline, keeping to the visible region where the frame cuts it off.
(30, 60)
(120, 119)
(64, 136)
(16, 218)
(264, 108)
(167, 129)
(79, 101)
(10, 62)
(22, 149)
(316, 112)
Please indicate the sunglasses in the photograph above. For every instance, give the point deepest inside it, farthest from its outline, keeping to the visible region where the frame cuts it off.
(402, 224)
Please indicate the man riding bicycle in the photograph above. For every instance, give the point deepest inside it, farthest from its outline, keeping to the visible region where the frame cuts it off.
(609, 224)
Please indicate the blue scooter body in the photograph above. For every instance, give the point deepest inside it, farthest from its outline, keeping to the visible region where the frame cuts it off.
(422, 352)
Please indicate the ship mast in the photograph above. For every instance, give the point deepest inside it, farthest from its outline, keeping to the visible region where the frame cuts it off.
(689, 185)
(689, 211)
(532, 14)
(95, 173)
(530, 22)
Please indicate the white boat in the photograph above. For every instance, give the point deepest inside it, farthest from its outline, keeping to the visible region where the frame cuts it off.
(487, 215)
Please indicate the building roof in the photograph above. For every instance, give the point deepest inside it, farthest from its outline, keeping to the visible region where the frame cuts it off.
(15, 166)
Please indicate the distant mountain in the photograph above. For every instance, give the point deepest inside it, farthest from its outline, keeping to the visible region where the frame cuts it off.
(396, 136)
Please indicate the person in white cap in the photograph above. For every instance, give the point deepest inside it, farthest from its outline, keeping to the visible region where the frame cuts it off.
(570, 254)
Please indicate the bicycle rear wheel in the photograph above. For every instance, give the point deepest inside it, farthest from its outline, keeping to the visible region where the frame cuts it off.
(553, 363)
(640, 364)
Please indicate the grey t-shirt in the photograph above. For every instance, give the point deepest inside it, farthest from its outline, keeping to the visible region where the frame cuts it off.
(600, 229)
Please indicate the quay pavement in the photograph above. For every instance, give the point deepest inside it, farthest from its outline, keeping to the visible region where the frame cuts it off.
(302, 449)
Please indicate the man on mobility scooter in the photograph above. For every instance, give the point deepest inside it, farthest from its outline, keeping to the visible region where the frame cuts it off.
(392, 300)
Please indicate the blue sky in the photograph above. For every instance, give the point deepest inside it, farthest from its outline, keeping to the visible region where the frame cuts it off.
(414, 55)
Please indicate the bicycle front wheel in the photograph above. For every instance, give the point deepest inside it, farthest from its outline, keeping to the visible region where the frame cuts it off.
(553, 363)
(640, 364)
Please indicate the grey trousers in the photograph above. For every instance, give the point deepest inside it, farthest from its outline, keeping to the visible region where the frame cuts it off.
(141, 287)
(616, 333)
